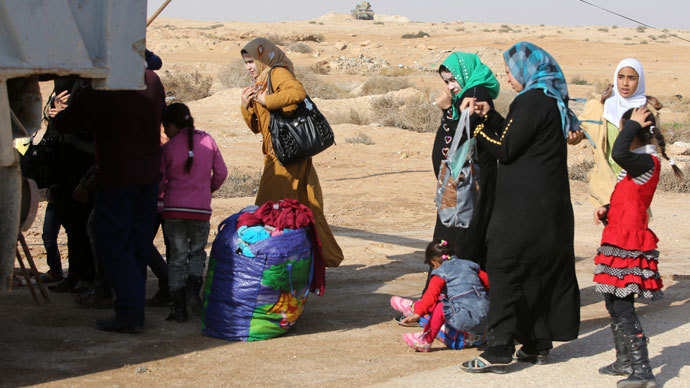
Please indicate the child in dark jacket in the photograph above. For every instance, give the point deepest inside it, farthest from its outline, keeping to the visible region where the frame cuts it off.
(192, 168)
(456, 296)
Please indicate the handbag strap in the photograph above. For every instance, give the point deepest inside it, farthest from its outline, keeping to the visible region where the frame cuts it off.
(463, 123)
(269, 87)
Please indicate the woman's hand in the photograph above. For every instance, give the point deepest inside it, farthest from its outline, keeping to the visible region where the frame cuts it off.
(59, 103)
(444, 100)
(248, 95)
(640, 115)
(476, 107)
(261, 98)
(410, 319)
(599, 214)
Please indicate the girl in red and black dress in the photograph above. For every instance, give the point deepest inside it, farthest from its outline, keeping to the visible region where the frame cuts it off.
(626, 262)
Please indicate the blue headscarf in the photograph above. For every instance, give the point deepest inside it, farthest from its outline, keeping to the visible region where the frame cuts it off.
(534, 68)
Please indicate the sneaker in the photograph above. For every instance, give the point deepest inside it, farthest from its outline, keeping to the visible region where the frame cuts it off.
(51, 277)
(417, 342)
(402, 305)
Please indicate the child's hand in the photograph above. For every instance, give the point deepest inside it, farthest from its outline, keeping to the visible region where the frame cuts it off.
(599, 214)
(410, 319)
(640, 115)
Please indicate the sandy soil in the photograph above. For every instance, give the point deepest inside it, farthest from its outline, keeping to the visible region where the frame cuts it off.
(379, 202)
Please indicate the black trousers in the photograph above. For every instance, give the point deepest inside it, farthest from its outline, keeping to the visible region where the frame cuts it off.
(622, 311)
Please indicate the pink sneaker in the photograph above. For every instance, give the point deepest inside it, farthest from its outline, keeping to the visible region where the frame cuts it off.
(417, 341)
(402, 305)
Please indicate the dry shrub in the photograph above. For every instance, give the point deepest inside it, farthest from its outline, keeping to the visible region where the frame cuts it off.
(382, 85)
(277, 39)
(186, 86)
(395, 71)
(414, 112)
(361, 138)
(578, 80)
(300, 48)
(669, 182)
(239, 184)
(357, 119)
(320, 67)
(580, 171)
(316, 88)
(503, 101)
(310, 38)
(677, 131)
(235, 75)
(419, 34)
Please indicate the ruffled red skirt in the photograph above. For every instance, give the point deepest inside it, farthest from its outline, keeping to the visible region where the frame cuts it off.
(623, 272)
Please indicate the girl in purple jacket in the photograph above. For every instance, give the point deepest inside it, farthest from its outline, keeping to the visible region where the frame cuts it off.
(192, 168)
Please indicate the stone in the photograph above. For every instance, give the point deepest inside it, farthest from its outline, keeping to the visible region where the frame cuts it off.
(678, 148)
(340, 46)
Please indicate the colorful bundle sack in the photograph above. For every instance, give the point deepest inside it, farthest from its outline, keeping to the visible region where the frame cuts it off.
(458, 179)
(256, 298)
(455, 339)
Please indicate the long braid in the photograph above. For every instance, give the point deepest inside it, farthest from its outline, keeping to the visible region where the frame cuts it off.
(659, 137)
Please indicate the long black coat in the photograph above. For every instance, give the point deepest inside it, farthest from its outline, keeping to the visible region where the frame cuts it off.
(530, 257)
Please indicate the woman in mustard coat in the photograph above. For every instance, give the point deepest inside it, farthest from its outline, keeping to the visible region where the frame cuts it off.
(297, 180)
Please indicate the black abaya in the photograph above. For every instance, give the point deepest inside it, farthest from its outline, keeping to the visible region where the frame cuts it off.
(530, 257)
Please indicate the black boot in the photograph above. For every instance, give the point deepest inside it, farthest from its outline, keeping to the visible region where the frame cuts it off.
(636, 346)
(620, 367)
(160, 299)
(193, 291)
(178, 311)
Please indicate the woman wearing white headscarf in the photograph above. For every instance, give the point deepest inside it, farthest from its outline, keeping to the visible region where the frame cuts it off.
(601, 120)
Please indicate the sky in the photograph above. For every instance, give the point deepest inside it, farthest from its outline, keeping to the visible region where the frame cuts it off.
(664, 13)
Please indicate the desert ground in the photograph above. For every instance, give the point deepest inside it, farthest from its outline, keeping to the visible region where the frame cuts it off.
(378, 187)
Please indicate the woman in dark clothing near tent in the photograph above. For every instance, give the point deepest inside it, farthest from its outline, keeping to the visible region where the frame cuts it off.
(534, 295)
(466, 76)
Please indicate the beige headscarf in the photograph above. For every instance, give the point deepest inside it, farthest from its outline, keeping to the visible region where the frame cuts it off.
(266, 55)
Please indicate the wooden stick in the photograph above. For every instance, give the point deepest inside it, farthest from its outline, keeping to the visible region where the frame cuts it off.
(34, 270)
(155, 15)
(26, 276)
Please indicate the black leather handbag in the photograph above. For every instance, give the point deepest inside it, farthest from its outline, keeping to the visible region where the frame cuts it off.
(301, 135)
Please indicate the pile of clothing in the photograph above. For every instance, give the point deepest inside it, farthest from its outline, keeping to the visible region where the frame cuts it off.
(276, 218)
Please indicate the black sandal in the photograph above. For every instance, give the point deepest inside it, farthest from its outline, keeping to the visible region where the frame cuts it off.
(540, 358)
(481, 365)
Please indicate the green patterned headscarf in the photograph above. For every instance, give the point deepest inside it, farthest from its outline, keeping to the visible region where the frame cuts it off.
(469, 71)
